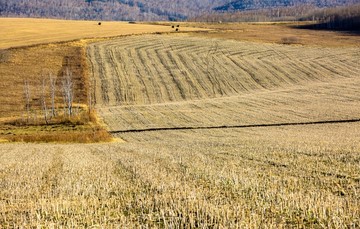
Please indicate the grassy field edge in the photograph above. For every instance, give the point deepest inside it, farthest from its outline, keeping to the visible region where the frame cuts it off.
(83, 127)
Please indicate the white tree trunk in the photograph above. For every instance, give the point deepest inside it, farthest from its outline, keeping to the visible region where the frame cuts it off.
(68, 91)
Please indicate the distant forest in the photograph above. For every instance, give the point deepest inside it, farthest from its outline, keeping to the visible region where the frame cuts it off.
(335, 18)
(141, 10)
(179, 10)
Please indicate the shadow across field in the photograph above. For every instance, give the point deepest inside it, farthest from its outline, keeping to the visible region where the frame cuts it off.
(345, 27)
(234, 126)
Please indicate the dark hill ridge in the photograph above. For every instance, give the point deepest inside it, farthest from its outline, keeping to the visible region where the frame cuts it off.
(261, 4)
(143, 10)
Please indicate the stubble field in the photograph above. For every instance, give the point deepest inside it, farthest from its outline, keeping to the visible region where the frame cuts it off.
(159, 81)
(211, 133)
(17, 32)
(274, 177)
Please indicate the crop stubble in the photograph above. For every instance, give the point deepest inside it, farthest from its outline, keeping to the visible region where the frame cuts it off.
(158, 81)
(273, 177)
(276, 177)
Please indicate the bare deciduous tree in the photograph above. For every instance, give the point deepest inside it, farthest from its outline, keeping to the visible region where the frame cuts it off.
(27, 97)
(90, 94)
(43, 99)
(68, 91)
(52, 82)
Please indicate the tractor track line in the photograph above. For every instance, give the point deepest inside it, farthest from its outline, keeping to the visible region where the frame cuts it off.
(232, 126)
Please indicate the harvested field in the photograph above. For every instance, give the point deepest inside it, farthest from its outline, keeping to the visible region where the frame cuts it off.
(275, 177)
(278, 32)
(15, 32)
(158, 81)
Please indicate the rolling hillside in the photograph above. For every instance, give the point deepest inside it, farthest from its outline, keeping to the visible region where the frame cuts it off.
(159, 82)
(149, 10)
(256, 4)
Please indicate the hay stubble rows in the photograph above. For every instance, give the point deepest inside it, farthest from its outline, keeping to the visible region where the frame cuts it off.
(177, 81)
(278, 177)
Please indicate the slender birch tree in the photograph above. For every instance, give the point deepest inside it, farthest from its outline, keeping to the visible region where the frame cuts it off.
(44, 89)
(27, 97)
(52, 83)
(68, 91)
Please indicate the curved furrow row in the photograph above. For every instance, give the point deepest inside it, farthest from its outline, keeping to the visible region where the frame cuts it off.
(101, 82)
(158, 81)
(117, 79)
(151, 84)
(158, 77)
(186, 74)
(258, 108)
(141, 78)
(125, 77)
(170, 74)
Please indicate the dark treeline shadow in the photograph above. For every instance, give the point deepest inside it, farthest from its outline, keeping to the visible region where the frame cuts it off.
(336, 23)
(345, 19)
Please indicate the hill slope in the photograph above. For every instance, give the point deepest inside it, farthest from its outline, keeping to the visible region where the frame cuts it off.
(256, 4)
(108, 9)
(149, 10)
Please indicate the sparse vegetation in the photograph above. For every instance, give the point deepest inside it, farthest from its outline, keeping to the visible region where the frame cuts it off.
(35, 84)
(289, 40)
(4, 55)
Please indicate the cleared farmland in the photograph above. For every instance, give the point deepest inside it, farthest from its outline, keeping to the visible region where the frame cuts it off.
(15, 32)
(159, 81)
(278, 177)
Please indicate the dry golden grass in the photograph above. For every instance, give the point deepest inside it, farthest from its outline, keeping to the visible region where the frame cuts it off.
(81, 128)
(276, 32)
(185, 81)
(278, 177)
(29, 64)
(33, 64)
(16, 32)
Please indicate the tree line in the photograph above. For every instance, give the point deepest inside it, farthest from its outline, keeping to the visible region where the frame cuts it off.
(143, 10)
(152, 10)
(341, 17)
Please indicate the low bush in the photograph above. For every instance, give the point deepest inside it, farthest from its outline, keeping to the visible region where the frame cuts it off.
(289, 40)
(4, 55)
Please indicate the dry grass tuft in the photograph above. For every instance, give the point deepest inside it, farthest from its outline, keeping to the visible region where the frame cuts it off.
(90, 135)
(81, 128)
(289, 40)
(4, 55)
